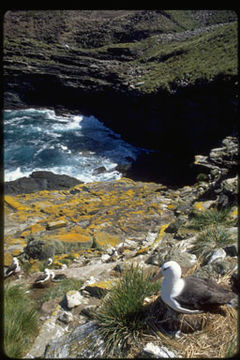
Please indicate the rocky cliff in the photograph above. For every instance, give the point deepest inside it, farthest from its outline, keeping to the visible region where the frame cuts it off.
(165, 80)
(94, 231)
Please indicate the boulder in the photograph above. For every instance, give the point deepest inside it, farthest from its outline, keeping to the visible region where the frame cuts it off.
(73, 299)
(38, 181)
(99, 170)
(151, 350)
(217, 254)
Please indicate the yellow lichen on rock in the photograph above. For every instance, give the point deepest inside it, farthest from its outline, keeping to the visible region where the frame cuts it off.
(56, 224)
(103, 239)
(100, 288)
(7, 260)
(13, 203)
(161, 233)
(198, 205)
(82, 240)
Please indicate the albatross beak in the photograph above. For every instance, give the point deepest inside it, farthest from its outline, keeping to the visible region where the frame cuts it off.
(157, 275)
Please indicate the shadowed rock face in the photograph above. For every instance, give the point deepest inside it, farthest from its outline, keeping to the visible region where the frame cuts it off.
(39, 180)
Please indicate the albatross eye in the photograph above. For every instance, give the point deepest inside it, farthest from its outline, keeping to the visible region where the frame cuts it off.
(163, 269)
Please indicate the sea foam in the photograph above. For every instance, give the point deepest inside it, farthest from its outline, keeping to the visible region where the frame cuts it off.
(75, 145)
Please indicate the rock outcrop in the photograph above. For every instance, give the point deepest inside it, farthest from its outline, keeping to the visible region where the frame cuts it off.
(221, 166)
(38, 181)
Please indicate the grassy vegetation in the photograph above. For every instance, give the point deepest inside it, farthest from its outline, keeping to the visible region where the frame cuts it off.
(60, 289)
(20, 321)
(209, 239)
(120, 317)
(163, 65)
(203, 56)
(213, 234)
(190, 19)
(209, 217)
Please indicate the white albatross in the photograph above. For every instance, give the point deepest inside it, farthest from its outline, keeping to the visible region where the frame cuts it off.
(192, 295)
(14, 268)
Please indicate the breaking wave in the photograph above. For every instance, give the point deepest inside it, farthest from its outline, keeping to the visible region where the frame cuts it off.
(78, 146)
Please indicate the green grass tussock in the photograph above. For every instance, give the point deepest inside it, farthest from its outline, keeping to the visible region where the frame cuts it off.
(209, 239)
(209, 217)
(20, 321)
(120, 317)
(212, 224)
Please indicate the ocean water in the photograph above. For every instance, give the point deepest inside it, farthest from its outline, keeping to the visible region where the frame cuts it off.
(74, 145)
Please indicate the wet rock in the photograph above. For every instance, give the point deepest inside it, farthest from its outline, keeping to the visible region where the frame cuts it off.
(38, 181)
(99, 170)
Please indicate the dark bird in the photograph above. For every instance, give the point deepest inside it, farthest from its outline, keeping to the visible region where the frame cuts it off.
(57, 277)
(44, 279)
(13, 269)
(192, 295)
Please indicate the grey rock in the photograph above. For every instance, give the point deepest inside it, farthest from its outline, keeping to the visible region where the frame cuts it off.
(73, 298)
(219, 267)
(175, 225)
(151, 350)
(76, 344)
(216, 255)
(40, 180)
(184, 259)
(66, 317)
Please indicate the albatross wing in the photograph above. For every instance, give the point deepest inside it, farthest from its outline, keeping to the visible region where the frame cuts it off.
(202, 294)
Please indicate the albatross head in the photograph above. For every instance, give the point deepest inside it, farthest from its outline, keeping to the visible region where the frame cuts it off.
(171, 270)
(15, 260)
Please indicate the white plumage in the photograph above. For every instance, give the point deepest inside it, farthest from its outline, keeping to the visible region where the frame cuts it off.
(192, 295)
(14, 268)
